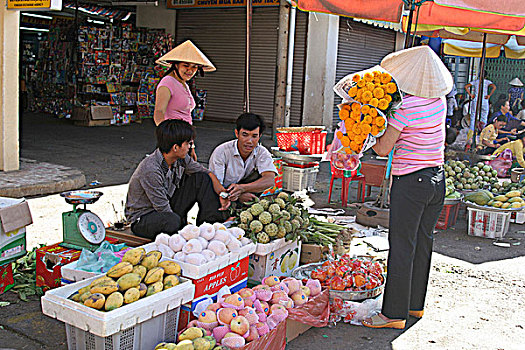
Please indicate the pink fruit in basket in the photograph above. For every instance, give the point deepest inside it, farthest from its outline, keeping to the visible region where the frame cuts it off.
(233, 340)
(233, 301)
(299, 298)
(219, 332)
(240, 325)
(292, 284)
(248, 302)
(247, 293)
(277, 317)
(282, 287)
(253, 334)
(306, 290)
(226, 315)
(250, 315)
(277, 307)
(315, 287)
(214, 307)
(263, 292)
(262, 316)
(277, 296)
(262, 328)
(207, 320)
(271, 281)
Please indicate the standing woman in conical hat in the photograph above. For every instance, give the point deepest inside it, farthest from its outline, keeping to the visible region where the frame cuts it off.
(515, 94)
(173, 97)
(416, 134)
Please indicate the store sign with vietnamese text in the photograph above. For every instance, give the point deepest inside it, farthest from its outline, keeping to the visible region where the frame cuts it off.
(177, 4)
(34, 5)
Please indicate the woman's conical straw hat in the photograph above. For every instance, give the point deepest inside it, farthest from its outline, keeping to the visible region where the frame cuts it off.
(187, 52)
(418, 71)
(516, 82)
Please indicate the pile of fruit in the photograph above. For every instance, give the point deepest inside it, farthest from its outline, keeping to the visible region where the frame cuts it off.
(509, 198)
(466, 177)
(199, 245)
(270, 219)
(350, 274)
(193, 339)
(450, 190)
(239, 318)
(138, 275)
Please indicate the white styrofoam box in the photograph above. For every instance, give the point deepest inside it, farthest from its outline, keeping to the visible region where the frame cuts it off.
(265, 249)
(145, 335)
(279, 262)
(488, 224)
(55, 303)
(196, 272)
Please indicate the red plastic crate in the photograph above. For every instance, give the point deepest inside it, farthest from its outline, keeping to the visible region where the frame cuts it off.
(311, 142)
(448, 216)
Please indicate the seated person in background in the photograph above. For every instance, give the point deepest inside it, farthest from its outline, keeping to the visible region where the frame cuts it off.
(516, 147)
(488, 139)
(168, 182)
(513, 124)
(521, 113)
(243, 166)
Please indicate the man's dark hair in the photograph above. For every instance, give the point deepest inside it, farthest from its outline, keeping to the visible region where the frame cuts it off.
(250, 121)
(173, 132)
(501, 118)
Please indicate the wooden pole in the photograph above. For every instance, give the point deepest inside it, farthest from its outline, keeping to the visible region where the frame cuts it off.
(479, 94)
(249, 13)
(282, 62)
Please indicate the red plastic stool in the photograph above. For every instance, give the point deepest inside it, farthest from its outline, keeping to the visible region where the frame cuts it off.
(346, 180)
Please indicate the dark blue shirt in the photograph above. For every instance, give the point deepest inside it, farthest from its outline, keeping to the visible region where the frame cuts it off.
(512, 122)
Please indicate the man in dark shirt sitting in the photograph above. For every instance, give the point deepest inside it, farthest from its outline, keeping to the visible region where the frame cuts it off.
(513, 124)
(167, 183)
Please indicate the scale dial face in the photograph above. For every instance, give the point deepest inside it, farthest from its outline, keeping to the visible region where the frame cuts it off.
(91, 228)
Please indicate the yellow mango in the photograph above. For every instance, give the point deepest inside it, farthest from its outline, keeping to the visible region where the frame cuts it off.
(171, 281)
(134, 256)
(114, 301)
(120, 269)
(154, 288)
(154, 275)
(141, 270)
(84, 296)
(96, 301)
(170, 267)
(128, 281)
(149, 262)
(131, 295)
(106, 288)
(99, 280)
(143, 288)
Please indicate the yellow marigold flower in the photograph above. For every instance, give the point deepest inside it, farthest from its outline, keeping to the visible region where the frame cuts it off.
(355, 115)
(365, 109)
(346, 107)
(379, 121)
(356, 129)
(385, 78)
(359, 138)
(339, 134)
(354, 146)
(343, 114)
(383, 104)
(361, 83)
(376, 73)
(377, 77)
(359, 94)
(350, 134)
(353, 91)
(370, 86)
(374, 102)
(366, 129)
(391, 88)
(367, 119)
(379, 93)
(349, 123)
(345, 141)
(388, 98)
(366, 96)
(356, 78)
(348, 150)
(368, 77)
(373, 112)
(374, 130)
(356, 107)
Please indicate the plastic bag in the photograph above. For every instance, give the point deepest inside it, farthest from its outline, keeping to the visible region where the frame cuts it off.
(315, 312)
(353, 312)
(102, 259)
(502, 163)
(338, 157)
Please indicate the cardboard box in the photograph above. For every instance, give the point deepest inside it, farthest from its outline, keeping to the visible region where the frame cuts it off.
(49, 262)
(14, 217)
(295, 329)
(280, 262)
(312, 253)
(6, 277)
(92, 116)
(278, 181)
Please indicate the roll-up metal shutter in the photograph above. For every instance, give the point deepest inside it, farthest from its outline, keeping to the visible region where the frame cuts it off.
(220, 34)
(301, 27)
(360, 46)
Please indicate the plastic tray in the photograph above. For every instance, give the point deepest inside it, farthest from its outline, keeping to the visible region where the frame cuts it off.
(55, 303)
(196, 272)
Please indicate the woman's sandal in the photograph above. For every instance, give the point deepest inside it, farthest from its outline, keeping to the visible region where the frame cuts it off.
(378, 322)
(416, 313)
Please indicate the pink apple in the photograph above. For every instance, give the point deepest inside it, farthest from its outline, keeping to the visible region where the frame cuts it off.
(240, 325)
(226, 315)
(253, 334)
(271, 281)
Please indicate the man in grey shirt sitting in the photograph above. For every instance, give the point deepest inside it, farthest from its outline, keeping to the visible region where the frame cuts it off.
(167, 183)
(243, 166)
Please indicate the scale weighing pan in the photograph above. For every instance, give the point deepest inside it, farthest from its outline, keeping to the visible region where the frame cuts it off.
(295, 157)
(81, 197)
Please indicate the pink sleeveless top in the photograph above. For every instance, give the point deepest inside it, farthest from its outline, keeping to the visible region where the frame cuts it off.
(181, 102)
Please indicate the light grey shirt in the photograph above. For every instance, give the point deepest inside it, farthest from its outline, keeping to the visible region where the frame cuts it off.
(153, 183)
(229, 167)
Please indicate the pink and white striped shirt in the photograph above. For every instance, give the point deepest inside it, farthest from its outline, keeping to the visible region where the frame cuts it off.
(421, 143)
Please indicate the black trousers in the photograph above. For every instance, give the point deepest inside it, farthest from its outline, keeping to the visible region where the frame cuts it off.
(416, 201)
(194, 188)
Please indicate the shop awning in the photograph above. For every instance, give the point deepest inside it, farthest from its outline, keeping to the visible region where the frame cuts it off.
(482, 15)
(475, 49)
